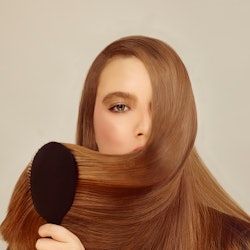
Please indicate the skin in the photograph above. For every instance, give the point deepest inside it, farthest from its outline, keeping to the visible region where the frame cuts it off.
(59, 238)
(122, 124)
(122, 115)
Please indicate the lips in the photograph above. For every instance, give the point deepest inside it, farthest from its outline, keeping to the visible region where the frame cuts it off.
(137, 149)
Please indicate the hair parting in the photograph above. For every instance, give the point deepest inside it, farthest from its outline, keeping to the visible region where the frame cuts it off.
(162, 197)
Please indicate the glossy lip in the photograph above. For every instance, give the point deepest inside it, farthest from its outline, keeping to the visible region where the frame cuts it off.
(137, 149)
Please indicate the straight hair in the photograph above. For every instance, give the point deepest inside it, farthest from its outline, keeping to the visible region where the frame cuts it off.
(162, 197)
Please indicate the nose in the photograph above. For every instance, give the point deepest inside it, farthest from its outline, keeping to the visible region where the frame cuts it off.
(143, 126)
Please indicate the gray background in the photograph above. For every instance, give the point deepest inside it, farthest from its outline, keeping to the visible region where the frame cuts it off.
(46, 48)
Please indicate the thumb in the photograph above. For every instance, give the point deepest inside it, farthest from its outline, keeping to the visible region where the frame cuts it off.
(56, 232)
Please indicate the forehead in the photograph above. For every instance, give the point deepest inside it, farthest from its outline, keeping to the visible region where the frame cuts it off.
(126, 74)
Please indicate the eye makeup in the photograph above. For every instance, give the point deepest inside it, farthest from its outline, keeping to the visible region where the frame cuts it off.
(119, 98)
(119, 108)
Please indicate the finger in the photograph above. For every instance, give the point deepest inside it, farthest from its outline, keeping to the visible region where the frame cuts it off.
(50, 244)
(46, 243)
(56, 232)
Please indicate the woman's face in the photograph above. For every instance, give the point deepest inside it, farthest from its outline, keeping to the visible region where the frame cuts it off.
(122, 113)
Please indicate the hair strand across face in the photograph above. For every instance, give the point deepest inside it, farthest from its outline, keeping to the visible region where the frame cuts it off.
(161, 197)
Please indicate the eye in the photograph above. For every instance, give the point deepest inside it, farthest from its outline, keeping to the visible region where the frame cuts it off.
(119, 108)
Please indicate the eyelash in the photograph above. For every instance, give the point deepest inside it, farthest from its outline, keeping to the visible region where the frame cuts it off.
(115, 108)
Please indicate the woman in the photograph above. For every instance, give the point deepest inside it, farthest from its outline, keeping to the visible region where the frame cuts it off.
(142, 184)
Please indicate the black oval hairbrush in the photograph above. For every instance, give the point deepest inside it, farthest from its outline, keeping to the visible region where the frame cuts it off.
(53, 181)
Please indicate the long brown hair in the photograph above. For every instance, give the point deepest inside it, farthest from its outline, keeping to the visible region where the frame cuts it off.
(162, 197)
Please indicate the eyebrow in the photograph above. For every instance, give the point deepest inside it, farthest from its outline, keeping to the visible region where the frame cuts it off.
(119, 94)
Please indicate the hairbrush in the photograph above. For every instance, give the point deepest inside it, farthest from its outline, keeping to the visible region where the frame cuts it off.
(53, 180)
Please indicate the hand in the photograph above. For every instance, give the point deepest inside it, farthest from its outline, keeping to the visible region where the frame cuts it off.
(60, 239)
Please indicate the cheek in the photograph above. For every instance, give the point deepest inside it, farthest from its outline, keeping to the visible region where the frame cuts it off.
(108, 131)
(103, 129)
